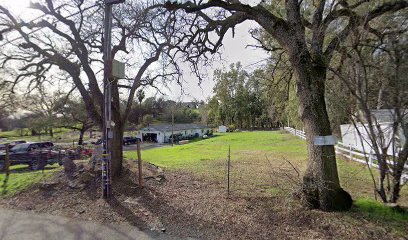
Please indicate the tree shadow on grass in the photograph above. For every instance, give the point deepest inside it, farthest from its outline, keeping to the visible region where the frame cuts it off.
(127, 213)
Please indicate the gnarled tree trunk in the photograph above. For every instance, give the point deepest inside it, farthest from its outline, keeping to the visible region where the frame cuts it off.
(321, 185)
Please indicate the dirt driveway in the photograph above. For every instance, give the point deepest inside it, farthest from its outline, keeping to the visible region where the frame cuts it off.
(144, 146)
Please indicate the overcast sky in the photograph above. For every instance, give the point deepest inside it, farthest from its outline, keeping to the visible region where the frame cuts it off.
(234, 50)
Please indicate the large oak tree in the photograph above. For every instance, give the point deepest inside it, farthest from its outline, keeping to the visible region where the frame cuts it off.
(310, 32)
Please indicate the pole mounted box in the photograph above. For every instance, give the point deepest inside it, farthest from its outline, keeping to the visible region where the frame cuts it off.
(118, 69)
(114, 1)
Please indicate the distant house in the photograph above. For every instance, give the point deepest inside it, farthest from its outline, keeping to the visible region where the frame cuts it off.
(161, 133)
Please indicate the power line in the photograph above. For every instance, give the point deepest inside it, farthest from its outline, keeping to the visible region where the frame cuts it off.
(255, 63)
(43, 15)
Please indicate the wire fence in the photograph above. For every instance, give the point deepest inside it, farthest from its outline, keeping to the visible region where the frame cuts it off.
(246, 173)
(349, 152)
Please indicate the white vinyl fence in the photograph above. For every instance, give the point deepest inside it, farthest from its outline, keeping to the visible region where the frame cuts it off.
(351, 153)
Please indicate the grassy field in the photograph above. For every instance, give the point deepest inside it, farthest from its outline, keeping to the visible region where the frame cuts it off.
(267, 164)
(255, 156)
(216, 149)
(21, 178)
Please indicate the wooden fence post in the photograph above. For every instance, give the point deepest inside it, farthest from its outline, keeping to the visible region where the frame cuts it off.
(351, 152)
(6, 169)
(139, 163)
(229, 164)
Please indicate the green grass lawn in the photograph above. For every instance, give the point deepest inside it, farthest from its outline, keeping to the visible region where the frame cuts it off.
(216, 149)
(21, 178)
(260, 167)
(255, 156)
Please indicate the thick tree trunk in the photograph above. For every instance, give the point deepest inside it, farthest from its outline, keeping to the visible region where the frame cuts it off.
(81, 136)
(321, 185)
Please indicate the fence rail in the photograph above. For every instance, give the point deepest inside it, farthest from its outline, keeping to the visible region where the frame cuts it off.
(351, 153)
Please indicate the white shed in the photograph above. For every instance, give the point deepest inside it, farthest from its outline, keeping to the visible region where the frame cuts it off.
(222, 129)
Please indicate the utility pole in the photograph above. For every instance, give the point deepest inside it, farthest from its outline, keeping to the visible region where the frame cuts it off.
(107, 116)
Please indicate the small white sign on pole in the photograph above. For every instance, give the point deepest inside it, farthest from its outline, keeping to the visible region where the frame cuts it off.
(325, 140)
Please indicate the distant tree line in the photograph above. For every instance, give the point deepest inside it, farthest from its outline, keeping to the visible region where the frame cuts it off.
(154, 109)
(249, 100)
(40, 112)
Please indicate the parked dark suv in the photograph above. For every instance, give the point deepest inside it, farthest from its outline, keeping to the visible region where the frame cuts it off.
(36, 155)
(129, 140)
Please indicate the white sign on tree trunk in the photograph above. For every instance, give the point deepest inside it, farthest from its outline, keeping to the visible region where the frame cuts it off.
(325, 140)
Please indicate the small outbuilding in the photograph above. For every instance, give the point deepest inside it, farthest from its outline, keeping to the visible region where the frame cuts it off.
(162, 132)
(222, 129)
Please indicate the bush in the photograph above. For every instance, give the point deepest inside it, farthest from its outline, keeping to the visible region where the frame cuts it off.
(231, 127)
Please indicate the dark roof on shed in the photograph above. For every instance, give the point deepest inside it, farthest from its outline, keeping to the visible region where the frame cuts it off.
(163, 127)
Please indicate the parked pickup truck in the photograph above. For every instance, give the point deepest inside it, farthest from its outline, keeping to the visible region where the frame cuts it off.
(36, 155)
